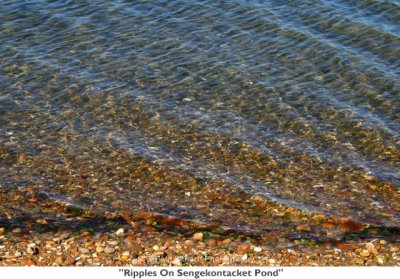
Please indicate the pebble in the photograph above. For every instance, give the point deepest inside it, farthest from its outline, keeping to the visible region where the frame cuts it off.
(99, 249)
(59, 260)
(371, 248)
(244, 257)
(136, 248)
(383, 242)
(65, 235)
(365, 253)
(85, 233)
(359, 261)
(345, 247)
(120, 232)
(125, 256)
(244, 247)
(381, 260)
(178, 247)
(109, 250)
(156, 248)
(394, 249)
(303, 228)
(226, 241)
(225, 259)
(212, 243)
(292, 252)
(177, 262)
(373, 187)
(70, 261)
(84, 250)
(104, 237)
(198, 236)
(2, 231)
(189, 244)
(27, 262)
(32, 249)
(113, 243)
(257, 249)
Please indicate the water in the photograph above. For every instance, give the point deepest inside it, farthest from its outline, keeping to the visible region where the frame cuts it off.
(221, 112)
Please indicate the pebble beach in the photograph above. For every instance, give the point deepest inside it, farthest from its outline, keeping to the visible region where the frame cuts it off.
(150, 240)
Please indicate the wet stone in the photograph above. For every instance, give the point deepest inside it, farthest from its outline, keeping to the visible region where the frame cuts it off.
(198, 236)
(120, 232)
(257, 249)
(303, 228)
(59, 260)
(84, 250)
(32, 249)
(109, 250)
(99, 249)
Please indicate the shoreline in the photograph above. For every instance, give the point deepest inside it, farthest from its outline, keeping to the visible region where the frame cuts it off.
(145, 246)
(42, 232)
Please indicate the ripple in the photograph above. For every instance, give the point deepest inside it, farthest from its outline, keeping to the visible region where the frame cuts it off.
(202, 110)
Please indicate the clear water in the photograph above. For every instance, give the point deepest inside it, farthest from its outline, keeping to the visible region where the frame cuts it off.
(189, 109)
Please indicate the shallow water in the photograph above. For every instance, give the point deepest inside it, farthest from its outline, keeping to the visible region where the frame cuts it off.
(191, 109)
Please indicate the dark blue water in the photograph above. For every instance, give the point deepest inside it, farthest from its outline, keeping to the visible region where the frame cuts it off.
(191, 109)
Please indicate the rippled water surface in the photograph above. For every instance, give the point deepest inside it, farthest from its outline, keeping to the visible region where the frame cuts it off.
(200, 110)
